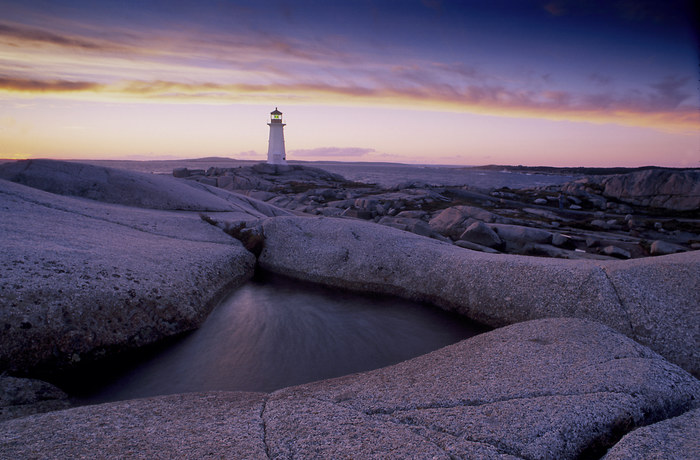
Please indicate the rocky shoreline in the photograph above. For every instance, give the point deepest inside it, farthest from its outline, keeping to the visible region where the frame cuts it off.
(569, 373)
(650, 212)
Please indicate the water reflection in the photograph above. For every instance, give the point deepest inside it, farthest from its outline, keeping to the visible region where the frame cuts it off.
(276, 332)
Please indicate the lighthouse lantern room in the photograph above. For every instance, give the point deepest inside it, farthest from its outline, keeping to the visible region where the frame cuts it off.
(276, 154)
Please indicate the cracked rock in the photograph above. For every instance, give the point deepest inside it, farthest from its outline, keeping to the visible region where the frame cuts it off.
(546, 389)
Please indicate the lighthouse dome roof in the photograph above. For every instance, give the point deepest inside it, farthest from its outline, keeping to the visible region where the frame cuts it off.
(276, 112)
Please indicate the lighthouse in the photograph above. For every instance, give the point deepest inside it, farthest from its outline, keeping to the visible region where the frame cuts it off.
(275, 147)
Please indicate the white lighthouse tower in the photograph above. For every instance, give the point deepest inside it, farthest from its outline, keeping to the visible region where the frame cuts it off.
(275, 148)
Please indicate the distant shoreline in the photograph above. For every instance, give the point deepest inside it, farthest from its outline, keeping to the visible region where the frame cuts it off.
(553, 170)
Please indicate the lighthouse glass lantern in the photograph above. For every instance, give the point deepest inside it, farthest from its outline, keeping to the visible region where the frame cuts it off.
(276, 154)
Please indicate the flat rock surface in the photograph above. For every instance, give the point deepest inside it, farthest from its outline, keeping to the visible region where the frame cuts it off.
(554, 388)
(128, 188)
(647, 300)
(80, 278)
(194, 425)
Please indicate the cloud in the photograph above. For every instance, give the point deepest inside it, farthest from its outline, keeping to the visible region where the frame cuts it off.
(332, 152)
(661, 107)
(25, 36)
(210, 68)
(250, 154)
(669, 93)
(38, 35)
(40, 86)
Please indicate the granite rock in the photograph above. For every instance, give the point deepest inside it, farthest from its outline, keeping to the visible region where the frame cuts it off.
(657, 188)
(480, 233)
(475, 247)
(192, 425)
(134, 189)
(615, 251)
(662, 248)
(20, 397)
(452, 221)
(661, 297)
(81, 279)
(632, 297)
(673, 439)
(554, 388)
(516, 236)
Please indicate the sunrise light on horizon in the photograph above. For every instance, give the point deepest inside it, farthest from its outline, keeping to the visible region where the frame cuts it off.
(555, 82)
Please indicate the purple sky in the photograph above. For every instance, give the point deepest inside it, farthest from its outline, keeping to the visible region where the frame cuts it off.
(453, 82)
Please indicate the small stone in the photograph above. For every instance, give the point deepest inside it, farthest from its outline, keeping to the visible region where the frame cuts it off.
(541, 201)
(575, 207)
(592, 242)
(412, 214)
(616, 252)
(660, 248)
(181, 172)
(562, 240)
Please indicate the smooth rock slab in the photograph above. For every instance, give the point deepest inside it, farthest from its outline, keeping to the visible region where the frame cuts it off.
(110, 185)
(129, 188)
(192, 426)
(554, 388)
(80, 279)
(652, 300)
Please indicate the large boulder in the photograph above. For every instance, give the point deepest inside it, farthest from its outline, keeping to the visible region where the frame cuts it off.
(81, 279)
(517, 236)
(674, 190)
(555, 388)
(480, 233)
(675, 438)
(661, 296)
(408, 224)
(662, 248)
(454, 220)
(651, 300)
(659, 188)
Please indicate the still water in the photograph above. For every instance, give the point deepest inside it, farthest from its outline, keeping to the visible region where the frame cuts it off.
(276, 332)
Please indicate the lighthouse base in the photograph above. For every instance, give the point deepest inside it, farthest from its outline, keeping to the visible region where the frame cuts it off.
(276, 160)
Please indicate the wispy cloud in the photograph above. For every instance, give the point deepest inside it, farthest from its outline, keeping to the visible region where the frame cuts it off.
(45, 86)
(18, 35)
(228, 68)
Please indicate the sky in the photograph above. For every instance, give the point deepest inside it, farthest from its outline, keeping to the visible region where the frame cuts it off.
(531, 82)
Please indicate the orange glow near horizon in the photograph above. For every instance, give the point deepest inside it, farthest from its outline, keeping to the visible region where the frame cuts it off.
(96, 88)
